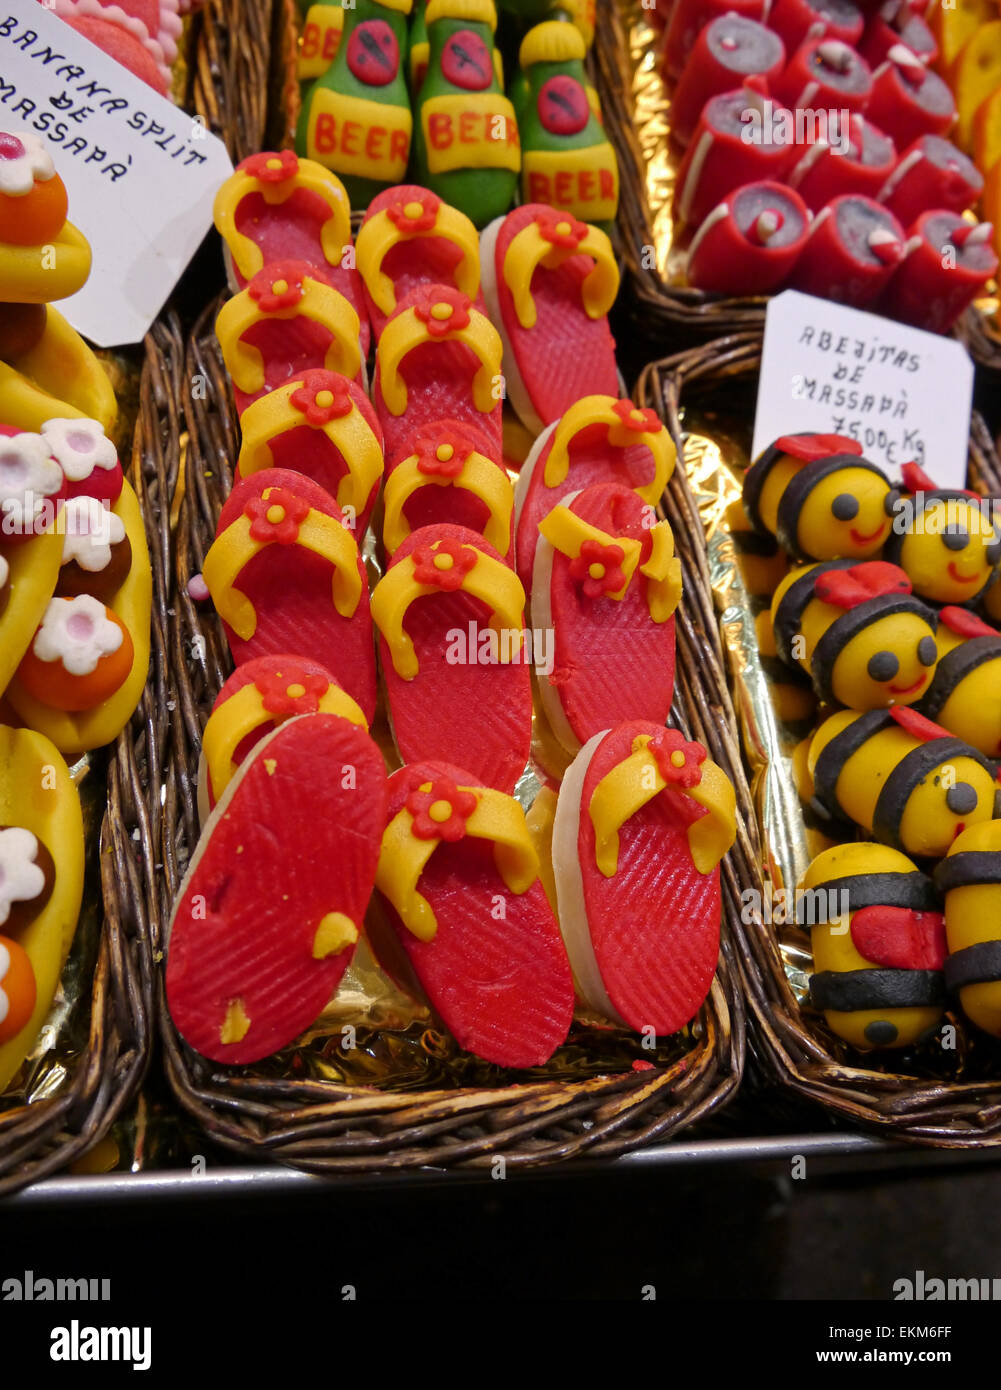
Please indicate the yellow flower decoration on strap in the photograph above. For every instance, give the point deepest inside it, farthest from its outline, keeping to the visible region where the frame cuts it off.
(440, 314)
(438, 811)
(276, 176)
(429, 217)
(549, 240)
(278, 517)
(657, 762)
(626, 425)
(275, 294)
(446, 565)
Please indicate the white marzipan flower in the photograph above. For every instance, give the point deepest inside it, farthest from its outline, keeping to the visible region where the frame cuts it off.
(21, 879)
(28, 475)
(80, 446)
(77, 632)
(90, 530)
(23, 159)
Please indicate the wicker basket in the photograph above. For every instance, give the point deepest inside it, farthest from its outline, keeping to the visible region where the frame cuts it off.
(328, 1126)
(671, 315)
(104, 1075)
(798, 1052)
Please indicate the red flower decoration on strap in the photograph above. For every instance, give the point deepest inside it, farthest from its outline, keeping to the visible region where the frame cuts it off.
(443, 457)
(276, 518)
(415, 215)
(292, 691)
(278, 285)
(678, 761)
(272, 166)
(639, 420)
(873, 579)
(560, 229)
(444, 565)
(322, 397)
(444, 309)
(598, 569)
(440, 810)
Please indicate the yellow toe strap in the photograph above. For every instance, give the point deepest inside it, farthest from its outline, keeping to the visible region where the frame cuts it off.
(625, 427)
(245, 711)
(638, 779)
(286, 408)
(405, 222)
(410, 840)
(531, 247)
(445, 566)
(317, 301)
(409, 331)
(234, 548)
(478, 475)
(569, 534)
(268, 181)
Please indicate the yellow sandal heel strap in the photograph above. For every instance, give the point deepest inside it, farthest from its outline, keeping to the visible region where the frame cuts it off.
(635, 781)
(529, 249)
(234, 548)
(318, 302)
(351, 435)
(244, 712)
(490, 580)
(600, 410)
(382, 232)
(404, 855)
(663, 574)
(407, 332)
(478, 475)
(335, 231)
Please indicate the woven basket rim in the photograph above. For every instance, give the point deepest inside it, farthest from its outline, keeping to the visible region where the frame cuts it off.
(796, 1049)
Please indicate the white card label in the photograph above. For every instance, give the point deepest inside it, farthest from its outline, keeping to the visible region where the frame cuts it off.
(903, 394)
(141, 174)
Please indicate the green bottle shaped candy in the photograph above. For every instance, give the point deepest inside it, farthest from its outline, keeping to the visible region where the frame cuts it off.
(466, 140)
(529, 12)
(567, 160)
(322, 26)
(356, 117)
(417, 56)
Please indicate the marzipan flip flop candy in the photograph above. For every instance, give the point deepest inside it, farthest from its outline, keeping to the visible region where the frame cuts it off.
(278, 207)
(549, 282)
(285, 576)
(41, 885)
(323, 425)
(411, 238)
(642, 822)
(598, 440)
(438, 358)
(606, 584)
(258, 697)
(461, 916)
(270, 910)
(453, 649)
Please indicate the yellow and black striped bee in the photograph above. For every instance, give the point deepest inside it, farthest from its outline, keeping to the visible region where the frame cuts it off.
(969, 879)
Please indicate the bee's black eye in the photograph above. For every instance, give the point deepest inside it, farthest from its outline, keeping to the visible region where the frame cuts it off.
(845, 506)
(883, 666)
(927, 651)
(961, 799)
(955, 538)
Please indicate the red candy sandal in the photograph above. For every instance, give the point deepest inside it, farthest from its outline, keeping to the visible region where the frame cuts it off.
(549, 282)
(285, 576)
(464, 911)
(271, 907)
(450, 614)
(410, 238)
(438, 358)
(598, 440)
(446, 479)
(642, 821)
(323, 425)
(607, 584)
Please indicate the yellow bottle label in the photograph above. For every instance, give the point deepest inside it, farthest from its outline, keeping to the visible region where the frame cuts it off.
(470, 130)
(584, 182)
(321, 38)
(366, 139)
